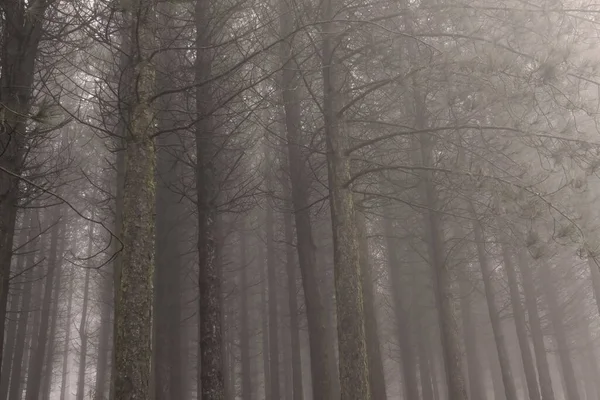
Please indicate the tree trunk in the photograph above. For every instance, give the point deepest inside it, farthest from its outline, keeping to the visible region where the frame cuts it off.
(296, 361)
(320, 353)
(13, 317)
(490, 293)
(264, 307)
(557, 319)
(83, 336)
(67, 344)
(353, 360)
(376, 372)
(39, 353)
(244, 325)
(403, 330)
(520, 325)
(20, 42)
(469, 327)
(274, 383)
(133, 305)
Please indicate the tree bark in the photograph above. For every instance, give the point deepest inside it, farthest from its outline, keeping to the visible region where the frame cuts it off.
(264, 307)
(520, 325)
(353, 360)
(67, 344)
(133, 305)
(244, 324)
(535, 326)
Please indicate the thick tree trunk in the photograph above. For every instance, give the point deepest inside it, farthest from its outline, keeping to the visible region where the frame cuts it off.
(535, 326)
(425, 372)
(244, 324)
(557, 320)
(490, 293)
(376, 372)
(469, 328)
(520, 325)
(83, 335)
(296, 358)
(67, 343)
(134, 294)
(321, 354)
(353, 360)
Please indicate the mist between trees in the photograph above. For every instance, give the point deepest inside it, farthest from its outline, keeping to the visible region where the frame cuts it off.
(299, 200)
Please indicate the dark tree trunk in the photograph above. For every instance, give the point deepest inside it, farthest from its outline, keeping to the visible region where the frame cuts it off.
(520, 325)
(272, 268)
(535, 326)
(244, 324)
(264, 307)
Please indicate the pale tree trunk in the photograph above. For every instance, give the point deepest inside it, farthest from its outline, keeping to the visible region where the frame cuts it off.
(353, 360)
(535, 326)
(469, 329)
(557, 318)
(67, 343)
(264, 307)
(211, 359)
(320, 353)
(490, 293)
(425, 372)
(404, 329)
(296, 358)
(520, 325)
(376, 373)
(83, 335)
(134, 294)
(244, 324)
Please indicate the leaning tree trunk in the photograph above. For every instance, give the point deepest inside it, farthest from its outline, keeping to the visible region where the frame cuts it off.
(353, 360)
(134, 294)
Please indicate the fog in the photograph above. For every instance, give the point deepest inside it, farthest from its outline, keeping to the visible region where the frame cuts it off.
(299, 200)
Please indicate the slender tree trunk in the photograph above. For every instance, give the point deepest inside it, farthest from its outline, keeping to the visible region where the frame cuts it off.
(274, 383)
(296, 361)
(535, 326)
(264, 307)
(556, 318)
(403, 330)
(353, 360)
(490, 293)
(106, 287)
(376, 373)
(67, 344)
(520, 326)
(37, 360)
(469, 328)
(134, 294)
(244, 324)
(425, 372)
(83, 336)
(321, 355)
